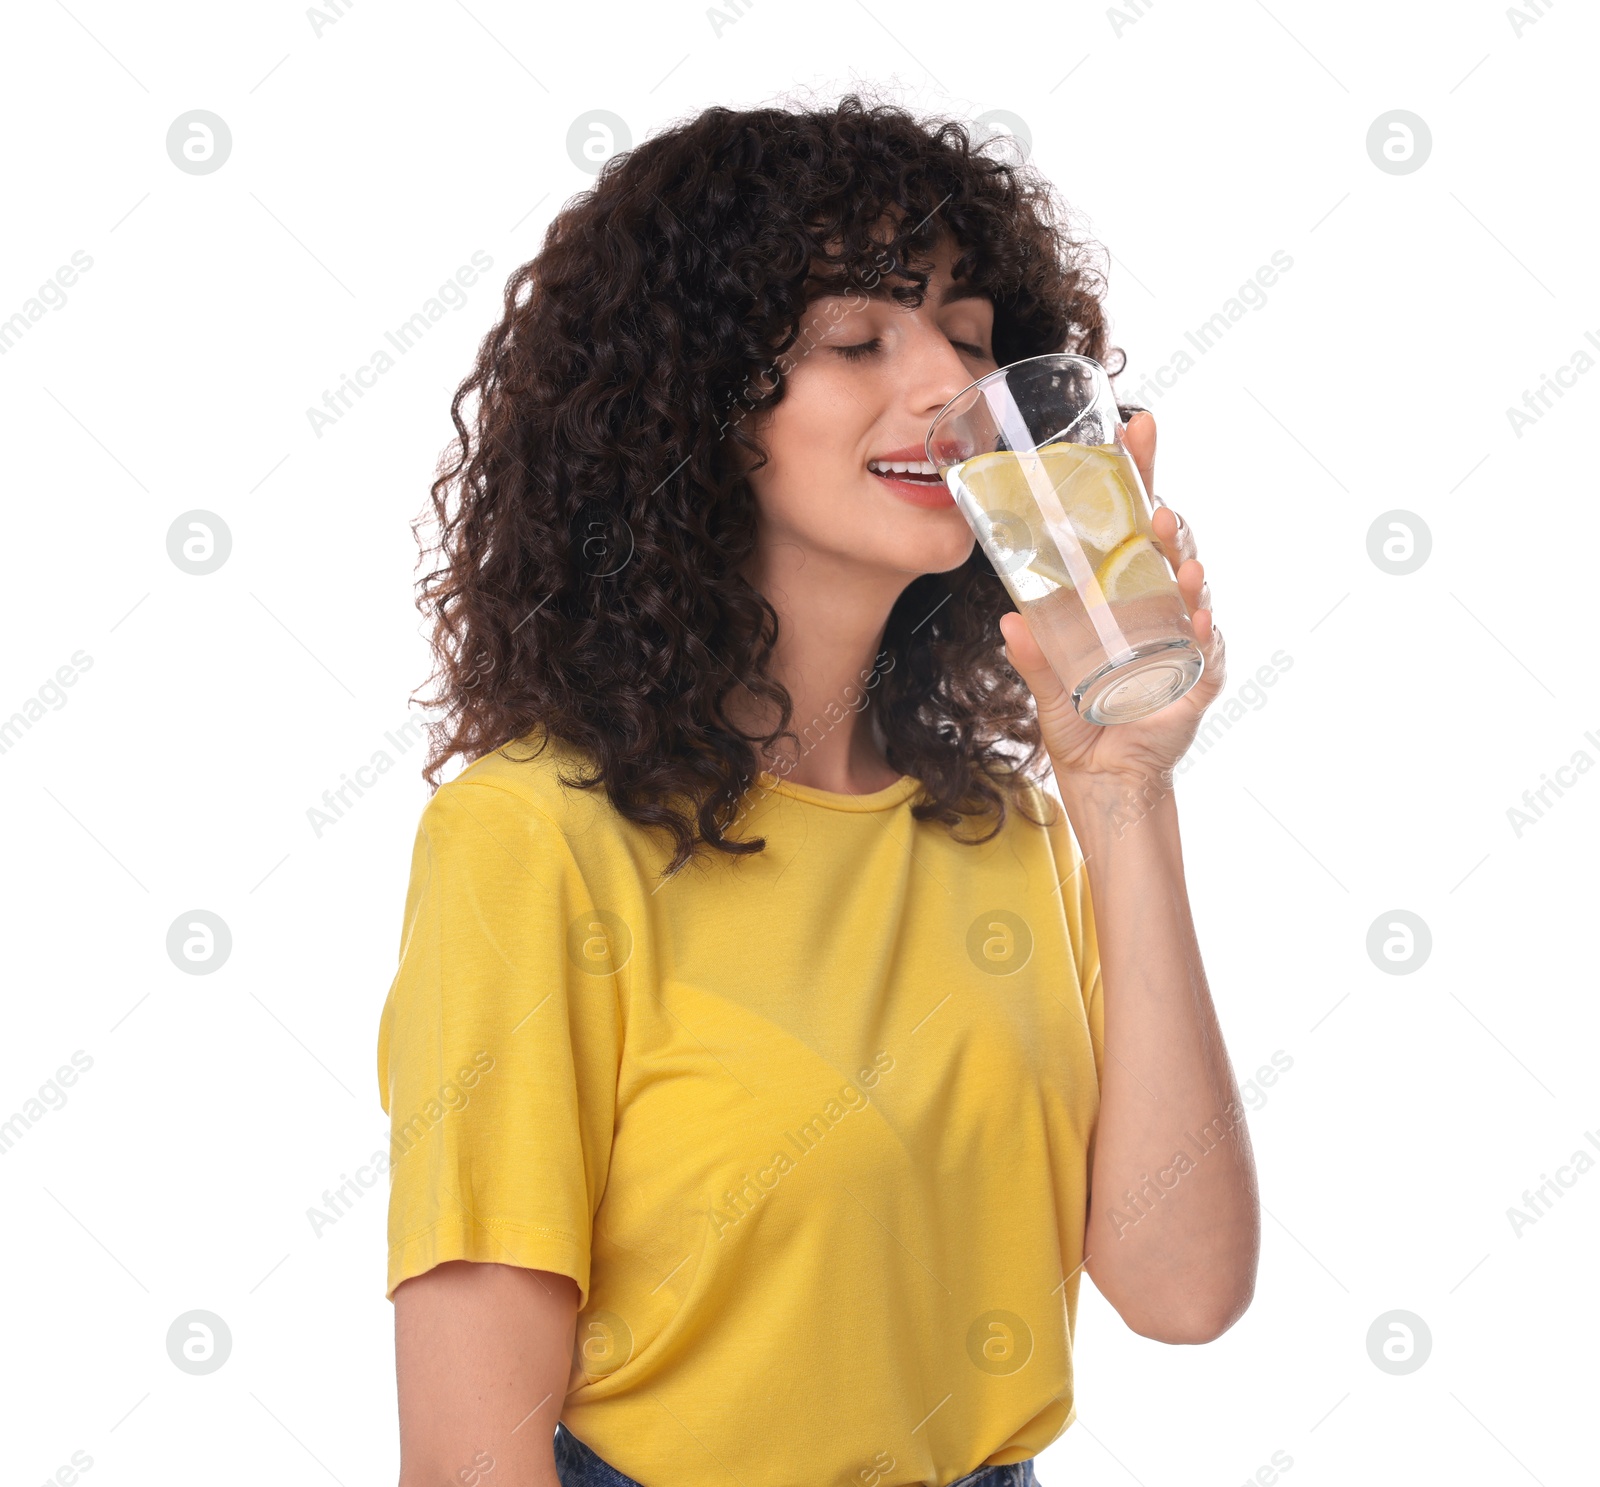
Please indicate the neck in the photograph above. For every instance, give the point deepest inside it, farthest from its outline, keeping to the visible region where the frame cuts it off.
(830, 632)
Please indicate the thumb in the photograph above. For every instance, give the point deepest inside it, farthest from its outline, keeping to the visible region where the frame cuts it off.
(1029, 662)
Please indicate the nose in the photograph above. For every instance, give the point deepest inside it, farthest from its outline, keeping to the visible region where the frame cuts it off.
(938, 371)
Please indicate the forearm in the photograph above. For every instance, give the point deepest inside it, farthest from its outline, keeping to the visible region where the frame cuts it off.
(1174, 1224)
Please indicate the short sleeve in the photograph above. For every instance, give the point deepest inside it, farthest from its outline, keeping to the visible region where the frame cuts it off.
(497, 1051)
(1079, 907)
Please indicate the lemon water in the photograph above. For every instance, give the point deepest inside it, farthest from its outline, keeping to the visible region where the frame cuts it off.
(1068, 531)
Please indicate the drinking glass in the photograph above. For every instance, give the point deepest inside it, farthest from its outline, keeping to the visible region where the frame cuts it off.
(1033, 455)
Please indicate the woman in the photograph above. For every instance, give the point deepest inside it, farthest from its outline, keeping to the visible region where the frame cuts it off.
(765, 1060)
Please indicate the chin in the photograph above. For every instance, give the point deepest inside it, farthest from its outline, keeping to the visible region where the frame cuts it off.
(924, 548)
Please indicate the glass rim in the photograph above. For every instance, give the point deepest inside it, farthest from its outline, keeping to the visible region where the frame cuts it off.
(1011, 366)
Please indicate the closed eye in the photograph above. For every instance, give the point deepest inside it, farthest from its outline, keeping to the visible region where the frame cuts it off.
(856, 352)
(866, 348)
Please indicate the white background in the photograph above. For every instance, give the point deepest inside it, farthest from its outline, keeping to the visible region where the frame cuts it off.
(368, 163)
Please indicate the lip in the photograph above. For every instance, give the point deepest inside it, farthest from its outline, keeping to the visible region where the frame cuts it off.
(932, 494)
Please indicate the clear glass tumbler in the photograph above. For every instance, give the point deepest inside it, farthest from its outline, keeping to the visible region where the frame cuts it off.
(1033, 455)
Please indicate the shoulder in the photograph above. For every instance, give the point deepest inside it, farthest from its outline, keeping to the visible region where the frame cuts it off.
(515, 801)
(530, 771)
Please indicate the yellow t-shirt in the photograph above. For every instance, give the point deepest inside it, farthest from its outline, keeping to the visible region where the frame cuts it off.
(810, 1129)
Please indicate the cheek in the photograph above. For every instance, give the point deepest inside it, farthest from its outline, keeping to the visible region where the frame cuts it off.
(817, 443)
(823, 422)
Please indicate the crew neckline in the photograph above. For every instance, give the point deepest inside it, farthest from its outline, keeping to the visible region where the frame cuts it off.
(874, 800)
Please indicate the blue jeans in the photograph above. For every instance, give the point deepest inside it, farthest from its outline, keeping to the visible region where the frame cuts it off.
(578, 1466)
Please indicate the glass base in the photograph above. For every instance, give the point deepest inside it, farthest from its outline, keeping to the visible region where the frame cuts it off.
(1138, 682)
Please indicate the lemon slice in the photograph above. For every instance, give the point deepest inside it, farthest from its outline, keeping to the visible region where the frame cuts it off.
(1087, 484)
(1091, 483)
(1133, 570)
(1048, 566)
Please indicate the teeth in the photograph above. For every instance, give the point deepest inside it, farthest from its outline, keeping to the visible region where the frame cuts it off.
(903, 467)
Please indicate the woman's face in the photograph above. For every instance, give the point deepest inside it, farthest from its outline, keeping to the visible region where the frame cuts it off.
(868, 377)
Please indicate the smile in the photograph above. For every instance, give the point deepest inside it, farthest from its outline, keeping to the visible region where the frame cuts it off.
(913, 469)
(916, 482)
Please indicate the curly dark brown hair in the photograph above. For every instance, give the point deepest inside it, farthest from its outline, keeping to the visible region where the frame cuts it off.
(590, 585)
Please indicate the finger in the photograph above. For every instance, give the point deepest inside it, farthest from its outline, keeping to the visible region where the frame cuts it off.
(1192, 585)
(1175, 536)
(1029, 662)
(1139, 438)
(1022, 650)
